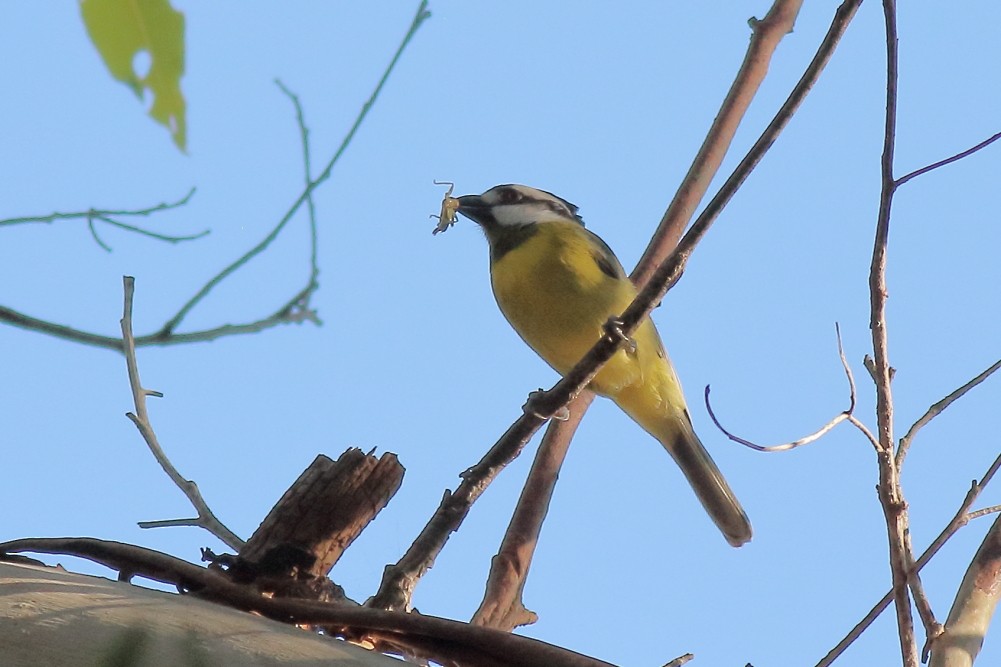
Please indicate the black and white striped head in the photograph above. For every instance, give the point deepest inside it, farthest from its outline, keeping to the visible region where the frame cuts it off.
(512, 206)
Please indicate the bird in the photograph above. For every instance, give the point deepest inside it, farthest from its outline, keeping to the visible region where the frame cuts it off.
(558, 284)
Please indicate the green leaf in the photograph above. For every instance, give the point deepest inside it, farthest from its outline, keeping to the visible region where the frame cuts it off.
(121, 29)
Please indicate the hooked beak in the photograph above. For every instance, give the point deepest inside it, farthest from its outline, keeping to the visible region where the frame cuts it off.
(474, 208)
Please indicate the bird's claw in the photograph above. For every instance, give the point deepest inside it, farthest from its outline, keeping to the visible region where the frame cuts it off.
(614, 330)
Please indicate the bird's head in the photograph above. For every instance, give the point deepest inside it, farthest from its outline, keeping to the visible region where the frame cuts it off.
(506, 207)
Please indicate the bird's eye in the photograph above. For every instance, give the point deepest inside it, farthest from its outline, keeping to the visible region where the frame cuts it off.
(511, 197)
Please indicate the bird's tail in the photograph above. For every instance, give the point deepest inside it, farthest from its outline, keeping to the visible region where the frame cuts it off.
(668, 421)
(707, 481)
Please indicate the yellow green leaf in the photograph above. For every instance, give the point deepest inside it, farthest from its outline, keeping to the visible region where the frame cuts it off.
(122, 29)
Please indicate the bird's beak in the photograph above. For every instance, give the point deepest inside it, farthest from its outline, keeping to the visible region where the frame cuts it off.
(474, 208)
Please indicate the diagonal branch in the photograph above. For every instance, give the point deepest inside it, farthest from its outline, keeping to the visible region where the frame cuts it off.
(937, 408)
(949, 160)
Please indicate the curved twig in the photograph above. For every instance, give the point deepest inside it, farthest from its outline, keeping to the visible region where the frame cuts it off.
(813, 437)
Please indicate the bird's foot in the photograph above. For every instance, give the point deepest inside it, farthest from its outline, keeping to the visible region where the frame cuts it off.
(614, 330)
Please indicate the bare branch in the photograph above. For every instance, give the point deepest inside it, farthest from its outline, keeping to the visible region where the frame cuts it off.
(960, 519)
(502, 606)
(307, 171)
(807, 439)
(765, 37)
(948, 160)
(937, 409)
(890, 493)
(295, 311)
(206, 519)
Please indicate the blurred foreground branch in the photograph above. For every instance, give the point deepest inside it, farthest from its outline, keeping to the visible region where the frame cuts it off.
(296, 310)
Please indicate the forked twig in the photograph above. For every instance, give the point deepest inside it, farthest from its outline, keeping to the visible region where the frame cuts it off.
(205, 519)
(108, 216)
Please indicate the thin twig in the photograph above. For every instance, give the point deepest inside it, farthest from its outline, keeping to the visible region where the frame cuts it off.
(960, 519)
(292, 312)
(948, 160)
(399, 580)
(937, 409)
(100, 213)
(206, 519)
(813, 437)
(107, 216)
(171, 324)
(308, 171)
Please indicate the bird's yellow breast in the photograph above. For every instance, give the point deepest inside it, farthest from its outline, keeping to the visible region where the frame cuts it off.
(556, 295)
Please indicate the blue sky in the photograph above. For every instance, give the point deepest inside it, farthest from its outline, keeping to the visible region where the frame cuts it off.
(604, 105)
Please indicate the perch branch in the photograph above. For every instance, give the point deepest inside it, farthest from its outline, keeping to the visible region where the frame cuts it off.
(206, 519)
(399, 580)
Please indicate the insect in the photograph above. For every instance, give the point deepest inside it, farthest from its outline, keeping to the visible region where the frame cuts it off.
(449, 205)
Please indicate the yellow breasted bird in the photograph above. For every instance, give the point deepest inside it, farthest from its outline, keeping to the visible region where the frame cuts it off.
(558, 284)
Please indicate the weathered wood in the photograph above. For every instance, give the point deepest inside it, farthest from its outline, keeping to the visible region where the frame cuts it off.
(323, 512)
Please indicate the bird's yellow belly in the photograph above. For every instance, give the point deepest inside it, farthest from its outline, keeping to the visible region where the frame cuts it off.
(554, 295)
